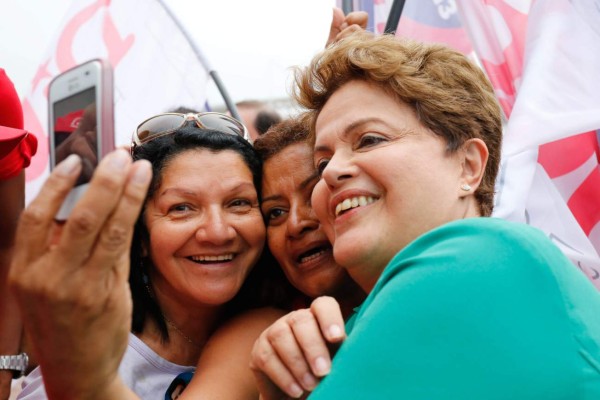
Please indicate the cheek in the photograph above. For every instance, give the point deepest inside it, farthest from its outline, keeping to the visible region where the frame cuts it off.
(253, 231)
(276, 242)
(319, 202)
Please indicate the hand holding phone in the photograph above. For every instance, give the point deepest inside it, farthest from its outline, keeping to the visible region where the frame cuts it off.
(81, 121)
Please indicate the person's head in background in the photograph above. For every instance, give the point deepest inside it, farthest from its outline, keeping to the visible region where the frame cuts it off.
(294, 234)
(415, 145)
(258, 116)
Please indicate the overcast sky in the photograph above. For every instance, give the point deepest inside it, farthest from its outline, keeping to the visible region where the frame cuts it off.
(251, 44)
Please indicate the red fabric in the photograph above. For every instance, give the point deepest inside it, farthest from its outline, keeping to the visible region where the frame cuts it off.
(17, 146)
(11, 112)
(19, 157)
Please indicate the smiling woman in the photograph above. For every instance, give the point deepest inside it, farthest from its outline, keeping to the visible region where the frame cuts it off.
(193, 257)
(407, 140)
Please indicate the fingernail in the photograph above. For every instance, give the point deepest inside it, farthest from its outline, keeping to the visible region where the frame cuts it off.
(143, 173)
(118, 159)
(309, 381)
(295, 391)
(321, 366)
(335, 332)
(68, 166)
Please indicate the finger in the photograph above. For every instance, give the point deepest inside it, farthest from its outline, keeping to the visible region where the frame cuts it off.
(347, 32)
(82, 147)
(36, 221)
(265, 359)
(360, 18)
(308, 335)
(93, 209)
(115, 236)
(334, 28)
(281, 337)
(328, 313)
(267, 389)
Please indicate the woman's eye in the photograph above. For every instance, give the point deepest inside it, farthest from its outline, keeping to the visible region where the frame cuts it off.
(179, 208)
(241, 204)
(370, 140)
(321, 166)
(274, 214)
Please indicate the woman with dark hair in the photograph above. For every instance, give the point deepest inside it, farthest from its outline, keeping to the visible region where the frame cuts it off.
(193, 259)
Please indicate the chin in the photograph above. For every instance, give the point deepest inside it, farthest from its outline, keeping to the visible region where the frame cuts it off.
(327, 283)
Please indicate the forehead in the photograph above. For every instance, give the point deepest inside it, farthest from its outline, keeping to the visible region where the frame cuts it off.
(292, 156)
(292, 165)
(204, 165)
(366, 104)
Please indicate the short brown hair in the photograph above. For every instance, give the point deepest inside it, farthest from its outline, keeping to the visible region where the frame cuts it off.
(450, 95)
(279, 136)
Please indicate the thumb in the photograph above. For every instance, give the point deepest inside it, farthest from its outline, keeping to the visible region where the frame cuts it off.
(336, 22)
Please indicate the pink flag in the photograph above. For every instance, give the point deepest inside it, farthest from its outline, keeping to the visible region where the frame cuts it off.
(543, 59)
(155, 68)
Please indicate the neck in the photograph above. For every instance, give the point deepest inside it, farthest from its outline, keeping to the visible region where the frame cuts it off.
(349, 297)
(188, 326)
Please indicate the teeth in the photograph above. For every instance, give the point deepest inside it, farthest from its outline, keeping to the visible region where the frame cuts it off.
(353, 202)
(312, 256)
(224, 257)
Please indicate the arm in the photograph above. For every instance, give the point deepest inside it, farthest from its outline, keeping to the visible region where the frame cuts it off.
(74, 294)
(292, 354)
(12, 193)
(223, 371)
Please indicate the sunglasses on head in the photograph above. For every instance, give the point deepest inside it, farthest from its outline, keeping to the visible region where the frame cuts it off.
(167, 123)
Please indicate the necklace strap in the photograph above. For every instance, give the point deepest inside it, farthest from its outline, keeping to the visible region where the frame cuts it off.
(170, 323)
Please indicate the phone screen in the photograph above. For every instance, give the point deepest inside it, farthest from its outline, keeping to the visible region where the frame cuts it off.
(75, 131)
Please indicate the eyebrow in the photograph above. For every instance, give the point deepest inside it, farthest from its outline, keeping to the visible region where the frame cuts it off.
(191, 193)
(308, 180)
(354, 125)
(302, 186)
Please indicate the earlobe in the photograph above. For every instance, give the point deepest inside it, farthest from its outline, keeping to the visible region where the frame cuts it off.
(475, 156)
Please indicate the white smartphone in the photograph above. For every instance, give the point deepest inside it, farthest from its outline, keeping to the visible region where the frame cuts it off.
(80, 118)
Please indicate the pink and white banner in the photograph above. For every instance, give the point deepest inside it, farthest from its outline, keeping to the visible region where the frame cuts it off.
(543, 59)
(155, 69)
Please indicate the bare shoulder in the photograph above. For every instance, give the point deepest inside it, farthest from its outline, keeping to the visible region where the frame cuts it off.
(258, 318)
(223, 368)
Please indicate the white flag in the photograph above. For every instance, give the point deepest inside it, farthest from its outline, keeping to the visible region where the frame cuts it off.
(155, 68)
(543, 59)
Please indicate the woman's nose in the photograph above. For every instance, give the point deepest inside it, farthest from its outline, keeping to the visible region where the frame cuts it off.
(301, 220)
(215, 228)
(339, 168)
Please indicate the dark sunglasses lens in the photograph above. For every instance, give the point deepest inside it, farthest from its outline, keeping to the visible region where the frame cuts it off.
(158, 124)
(222, 123)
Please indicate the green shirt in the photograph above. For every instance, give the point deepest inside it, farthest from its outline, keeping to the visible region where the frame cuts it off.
(479, 309)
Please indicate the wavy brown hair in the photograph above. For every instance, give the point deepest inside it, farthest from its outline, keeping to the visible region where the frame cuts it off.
(449, 94)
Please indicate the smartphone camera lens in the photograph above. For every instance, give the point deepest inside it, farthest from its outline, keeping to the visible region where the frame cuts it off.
(87, 73)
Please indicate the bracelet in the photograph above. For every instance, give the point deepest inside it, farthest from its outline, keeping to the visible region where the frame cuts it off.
(18, 364)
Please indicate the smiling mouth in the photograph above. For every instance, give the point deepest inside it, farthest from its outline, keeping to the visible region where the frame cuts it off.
(313, 254)
(353, 202)
(211, 259)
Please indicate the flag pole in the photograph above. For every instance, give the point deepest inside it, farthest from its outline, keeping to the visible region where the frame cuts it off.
(394, 17)
(204, 61)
